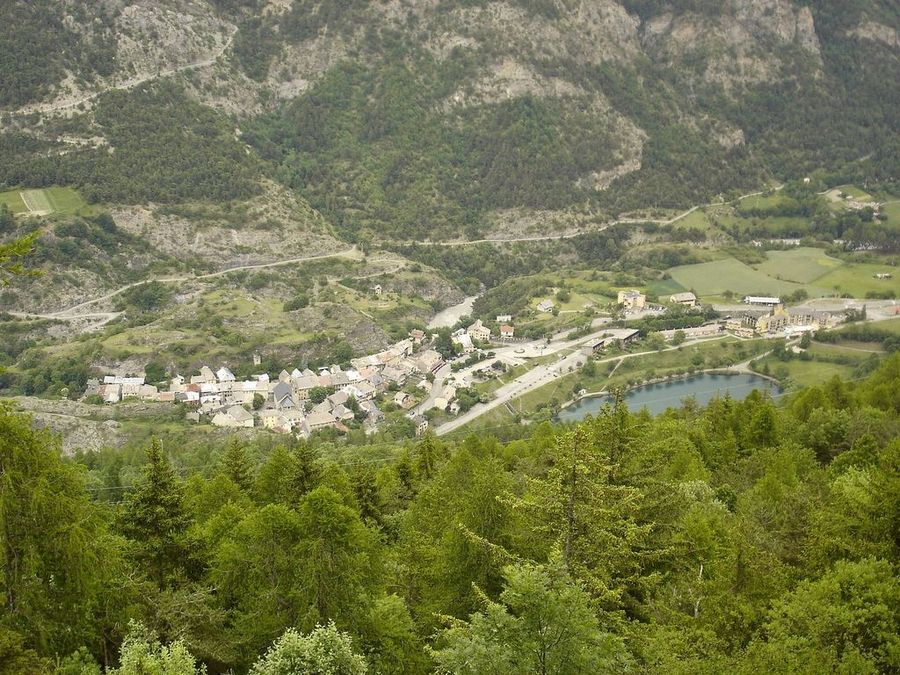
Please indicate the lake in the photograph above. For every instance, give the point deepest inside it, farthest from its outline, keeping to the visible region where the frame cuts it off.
(657, 397)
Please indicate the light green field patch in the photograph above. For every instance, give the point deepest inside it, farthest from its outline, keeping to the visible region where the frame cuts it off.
(764, 202)
(13, 200)
(857, 279)
(665, 287)
(698, 219)
(803, 265)
(891, 209)
(854, 192)
(36, 201)
(805, 373)
(718, 276)
(43, 201)
(892, 325)
(64, 200)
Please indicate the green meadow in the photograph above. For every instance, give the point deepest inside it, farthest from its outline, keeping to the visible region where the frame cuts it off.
(47, 200)
(782, 273)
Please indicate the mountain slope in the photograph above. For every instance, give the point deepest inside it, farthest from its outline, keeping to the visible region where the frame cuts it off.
(425, 118)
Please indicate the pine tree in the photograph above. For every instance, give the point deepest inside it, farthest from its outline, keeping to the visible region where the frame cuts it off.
(368, 497)
(55, 551)
(156, 521)
(307, 471)
(236, 466)
(427, 453)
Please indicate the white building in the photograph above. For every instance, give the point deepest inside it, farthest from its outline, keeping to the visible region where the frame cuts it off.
(762, 300)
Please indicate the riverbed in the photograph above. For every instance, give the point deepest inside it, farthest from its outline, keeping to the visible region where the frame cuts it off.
(669, 394)
(448, 317)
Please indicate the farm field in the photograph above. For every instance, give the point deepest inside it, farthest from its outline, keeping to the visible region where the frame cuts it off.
(716, 277)
(764, 202)
(781, 274)
(802, 265)
(43, 201)
(892, 325)
(13, 200)
(892, 210)
(699, 219)
(857, 279)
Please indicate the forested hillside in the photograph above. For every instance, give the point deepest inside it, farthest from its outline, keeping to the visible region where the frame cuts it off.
(742, 537)
(427, 118)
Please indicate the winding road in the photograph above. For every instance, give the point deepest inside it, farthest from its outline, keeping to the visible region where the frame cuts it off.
(73, 311)
(131, 83)
(578, 233)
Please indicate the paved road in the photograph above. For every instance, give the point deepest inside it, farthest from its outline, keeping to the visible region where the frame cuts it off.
(437, 390)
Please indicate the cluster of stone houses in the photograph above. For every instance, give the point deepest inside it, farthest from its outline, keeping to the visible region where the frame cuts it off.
(114, 388)
(228, 401)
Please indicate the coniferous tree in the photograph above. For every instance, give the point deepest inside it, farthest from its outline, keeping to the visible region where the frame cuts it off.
(236, 465)
(307, 472)
(56, 550)
(543, 623)
(156, 520)
(368, 497)
(592, 520)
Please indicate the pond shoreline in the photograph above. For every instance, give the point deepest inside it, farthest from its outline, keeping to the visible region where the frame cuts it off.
(727, 372)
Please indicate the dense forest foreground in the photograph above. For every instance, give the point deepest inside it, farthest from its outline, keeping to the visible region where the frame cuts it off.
(745, 537)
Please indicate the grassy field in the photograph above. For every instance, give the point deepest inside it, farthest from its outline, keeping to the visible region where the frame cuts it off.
(782, 273)
(764, 202)
(49, 200)
(857, 279)
(854, 192)
(802, 265)
(13, 200)
(713, 278)
(892, 325)
(64, 200)
(798, 373)
(892, 210)
(829, 360)
(665, 287)
(699, 219)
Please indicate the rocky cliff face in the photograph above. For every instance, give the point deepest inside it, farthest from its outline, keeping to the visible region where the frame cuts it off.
(675, 85)
(742, 42)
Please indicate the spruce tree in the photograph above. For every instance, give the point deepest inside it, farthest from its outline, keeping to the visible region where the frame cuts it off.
(236, 466)
(156, 521)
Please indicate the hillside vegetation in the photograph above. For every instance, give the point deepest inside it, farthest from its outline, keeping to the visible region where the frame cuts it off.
(423, 120)
(740, 537)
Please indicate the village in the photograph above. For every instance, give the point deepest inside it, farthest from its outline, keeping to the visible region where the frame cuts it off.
(413, 377)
